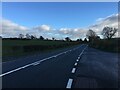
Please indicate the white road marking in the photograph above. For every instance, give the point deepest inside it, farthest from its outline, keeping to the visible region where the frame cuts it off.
(73, 70)
(34, 63)
(55, 56)
(70, 81)
(78, 57)
(69, 84)
(83, 51)
(15, 70)
(75, 64)
(59, 54)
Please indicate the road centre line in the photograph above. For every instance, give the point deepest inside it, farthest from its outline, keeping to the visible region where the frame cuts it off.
(83, 51)
(34, 63)
(69, 84)
(78, 58)
(75, 64)
(73, 70)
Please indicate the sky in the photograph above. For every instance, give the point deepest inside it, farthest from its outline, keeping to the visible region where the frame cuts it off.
(57, 19)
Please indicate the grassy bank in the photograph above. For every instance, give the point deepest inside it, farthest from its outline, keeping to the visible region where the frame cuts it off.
(22, 47)
(111, 45)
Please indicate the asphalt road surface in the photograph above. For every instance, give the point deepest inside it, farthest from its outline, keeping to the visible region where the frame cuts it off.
(57, 69)
(97, 69)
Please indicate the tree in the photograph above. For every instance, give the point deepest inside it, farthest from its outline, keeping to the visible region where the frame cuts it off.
(33, 37)
(85, 40)
(67, 39)
(21, 36)
(53, 38)
(91, 35)
(78, 40)
(41, 38)
(28, 36)
(109, 32)
(97, 37)
(0, 37)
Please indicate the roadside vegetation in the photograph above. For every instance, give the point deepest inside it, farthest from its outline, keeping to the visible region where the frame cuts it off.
(30, 44)
(108, 43)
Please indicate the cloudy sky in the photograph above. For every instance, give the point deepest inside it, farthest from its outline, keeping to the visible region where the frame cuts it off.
(57, 20)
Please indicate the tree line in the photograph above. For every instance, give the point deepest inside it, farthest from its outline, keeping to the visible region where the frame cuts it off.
(33, 37)
(107, 32)
(108, 43)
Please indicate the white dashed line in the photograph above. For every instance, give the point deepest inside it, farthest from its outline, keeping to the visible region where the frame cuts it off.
(83, 51)
(77, 60)
(78, 57)
(69, 84)
(75, 64)
(73, 70)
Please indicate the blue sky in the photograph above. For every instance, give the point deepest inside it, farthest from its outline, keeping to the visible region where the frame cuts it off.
(57, 15)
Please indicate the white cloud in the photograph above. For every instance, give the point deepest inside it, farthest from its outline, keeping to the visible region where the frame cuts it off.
(73, 33)
(42, 28)
(10, 28)
(111, 21)
(66, 30)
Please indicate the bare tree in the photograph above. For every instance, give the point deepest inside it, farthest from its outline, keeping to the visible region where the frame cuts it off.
(91, 35)
(21, 36)
(28, 36)
(109, 32)
(33, 37)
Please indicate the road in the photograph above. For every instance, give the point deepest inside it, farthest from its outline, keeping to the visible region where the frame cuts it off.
(98, 69)
(52, 70)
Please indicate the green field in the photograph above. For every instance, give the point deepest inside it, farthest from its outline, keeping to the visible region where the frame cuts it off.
(23, 47)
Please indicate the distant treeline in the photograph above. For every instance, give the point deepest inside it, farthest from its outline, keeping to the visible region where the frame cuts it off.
(53, 39)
